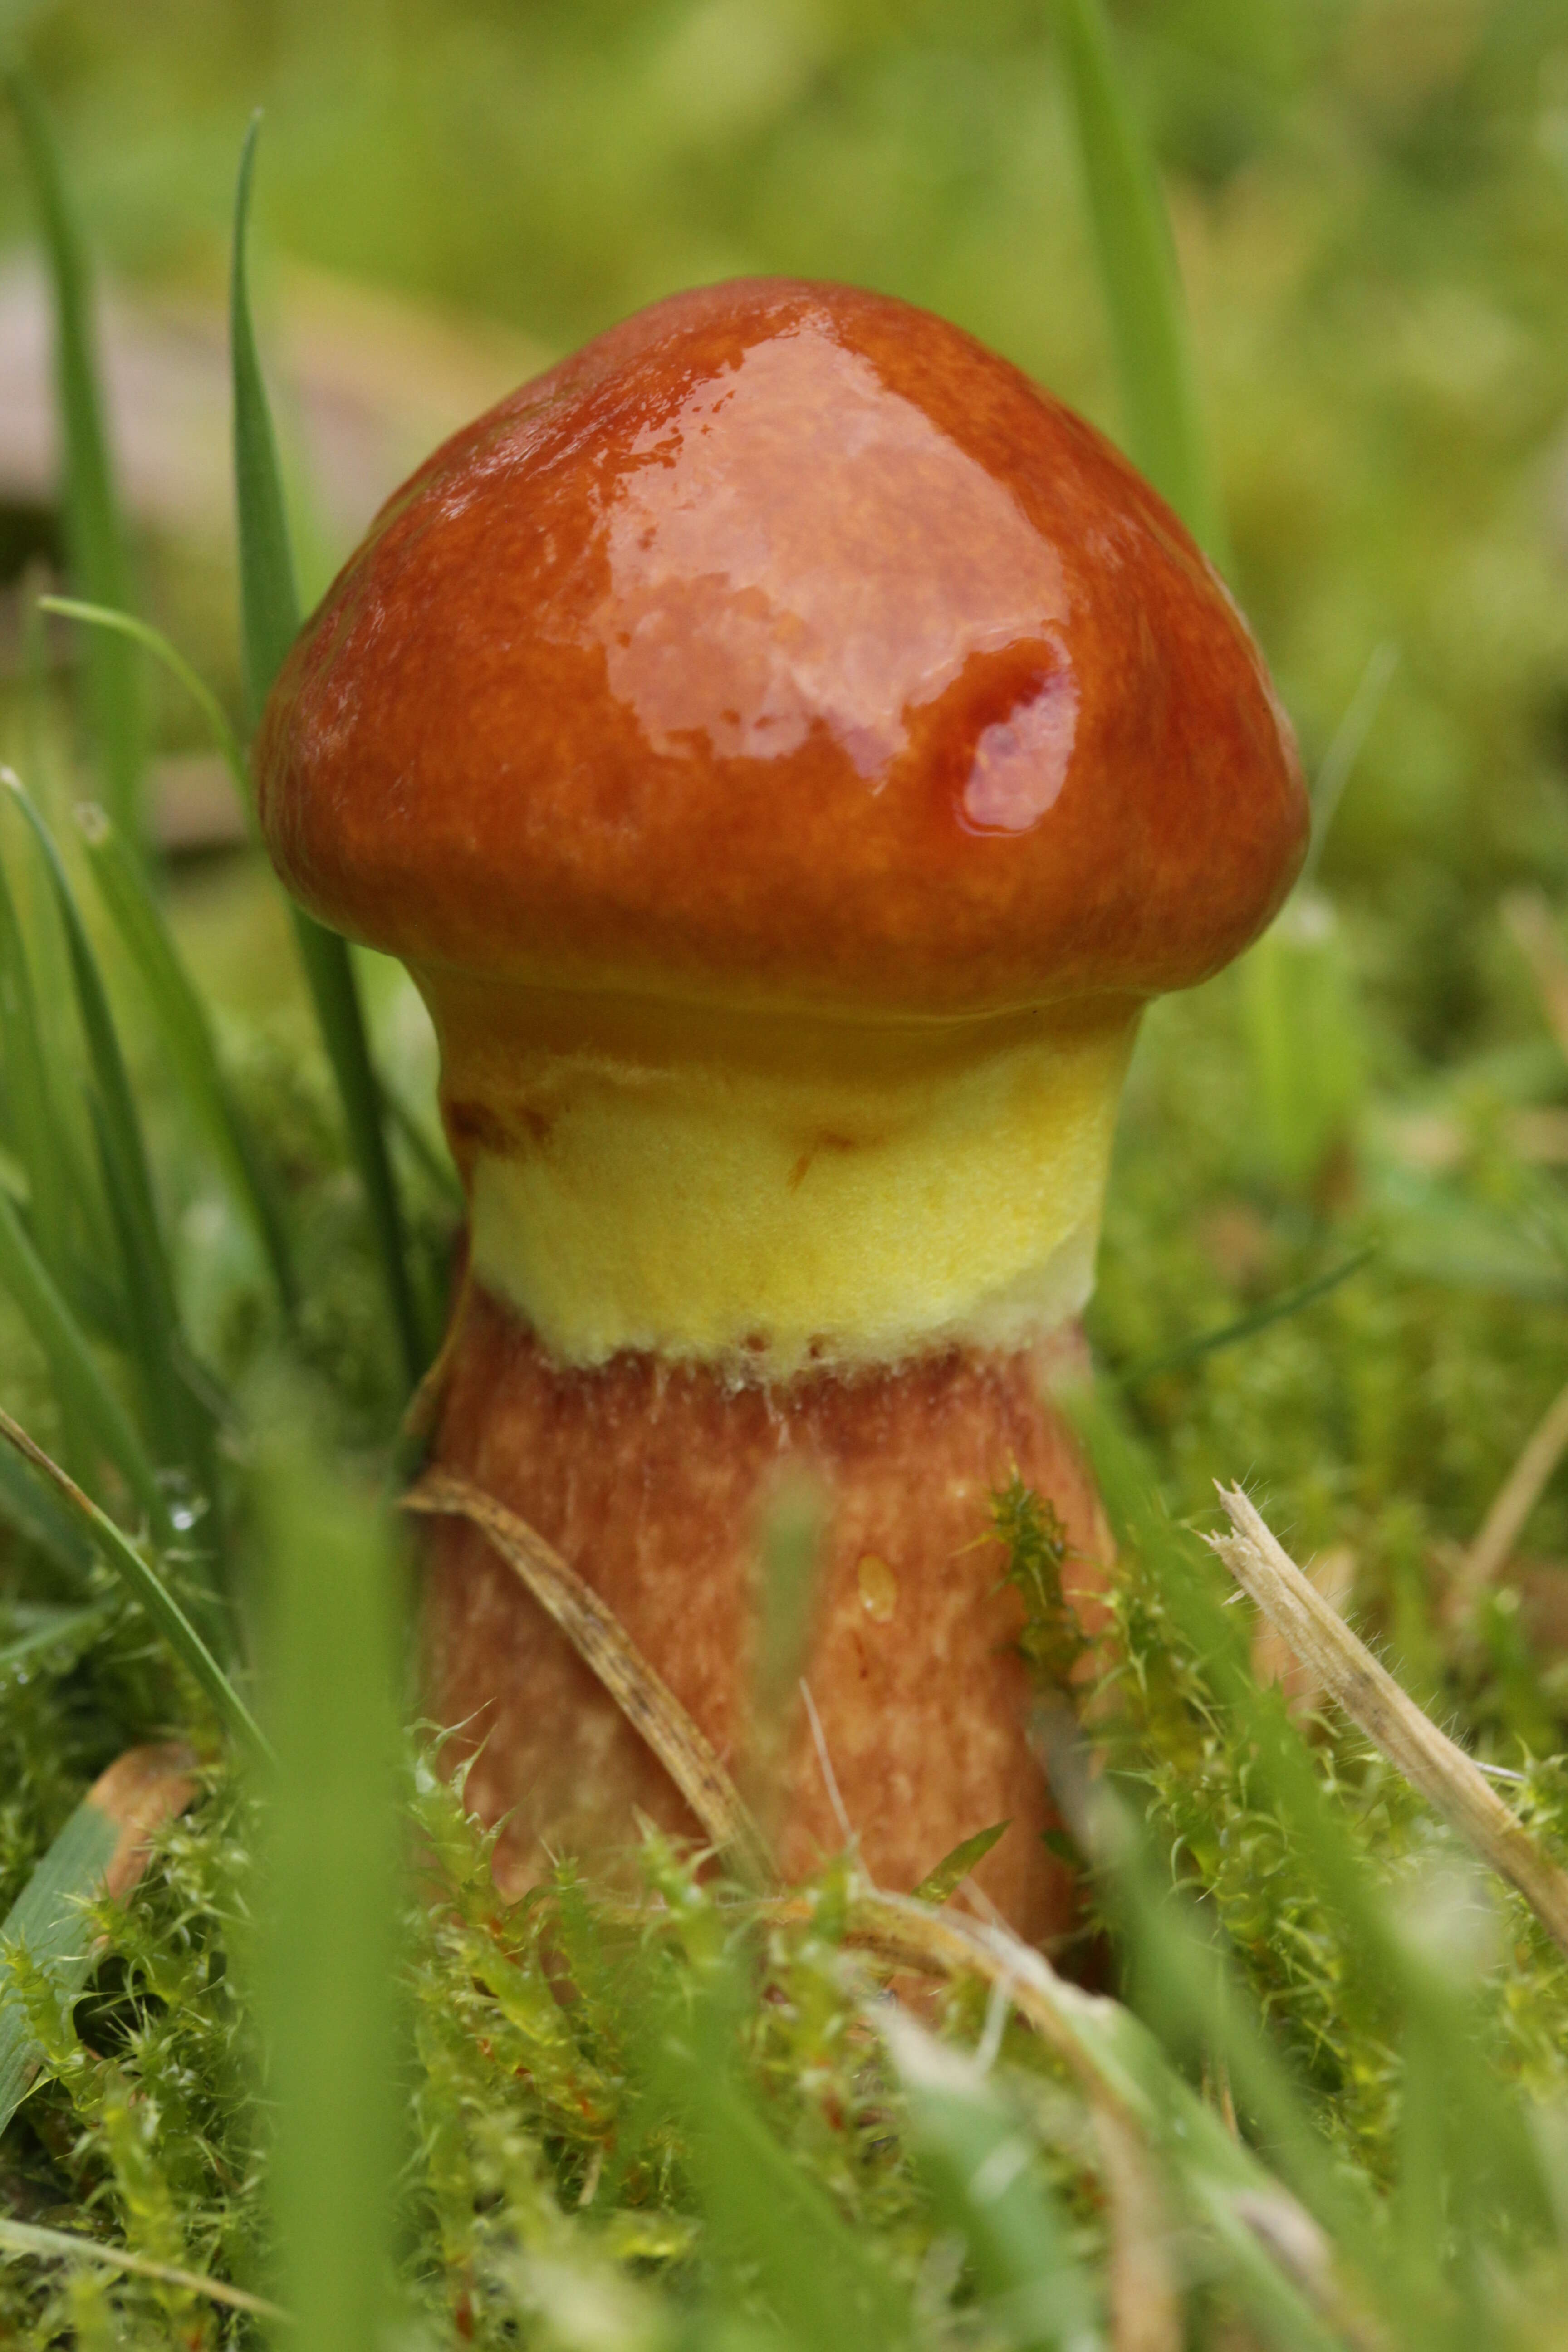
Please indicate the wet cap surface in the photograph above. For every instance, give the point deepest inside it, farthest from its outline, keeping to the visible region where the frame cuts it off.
(785, 647)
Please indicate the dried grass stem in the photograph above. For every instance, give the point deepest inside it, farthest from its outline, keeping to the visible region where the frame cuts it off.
(647, 1701)
(1369, 1695)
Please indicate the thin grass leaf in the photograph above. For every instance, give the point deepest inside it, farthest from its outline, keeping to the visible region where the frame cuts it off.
(1140, 279)
(101, 1849)
(49, 1918)
(1246, 1326)
(269, 607)
(149, 1337)
(761, 2207)
(269, 595)
(329, 1962)
(49, 1628)
(34, 1135)
(27, 2239)
(153, 641)
(79, 1383)
(38, 1138)
(182, 1017)
(50, 964)
(1339, 760)
(341, 1018)
(30, 1507)
(95, 532)
(436, 1161)
(179, 1424)
(974, 2154)
(146, 1585)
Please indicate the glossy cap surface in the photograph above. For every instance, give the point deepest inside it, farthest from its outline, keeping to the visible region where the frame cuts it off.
(785, 647)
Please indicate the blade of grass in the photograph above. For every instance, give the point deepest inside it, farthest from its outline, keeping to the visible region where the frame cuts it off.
(1246, 1326)
(329, 1960)
(1140, 278)
(38, 1138)
(78, 1380)
(270, 596)
(95, 532)
(761, 2206)
(180, 1425)
(1344, 750)
(166, 1409)
(25, 2238)
(102, 1849)
(432, 1157)
(30, 1508)
(975, 2155)
(49, 960)
(153, 641)
(53, 1626)
(269, 607)
(188, 1033)
(145, 1585)
(35, 1136)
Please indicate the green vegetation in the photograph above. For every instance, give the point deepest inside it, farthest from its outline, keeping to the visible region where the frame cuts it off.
(1335, 1266)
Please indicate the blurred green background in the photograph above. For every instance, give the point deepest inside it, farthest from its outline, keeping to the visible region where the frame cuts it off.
(1371, 201)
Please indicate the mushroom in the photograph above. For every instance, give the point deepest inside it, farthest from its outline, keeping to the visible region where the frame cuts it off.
(786, 748)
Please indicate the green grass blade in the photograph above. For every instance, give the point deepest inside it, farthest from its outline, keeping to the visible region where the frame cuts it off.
(1344, 750)
(153, 641)
(431, 1156)
(39, 1139)
(188, 1033)
(81, 1386)
(179, 1425)
(269, 605)
(761, 2207)
(1246, 1326)
(1142, 285)
(972, 2151)
(28, 1508)
(50, 1919)
(341, 1018)
(148, 1340)
(269, 594)
(27, 2238)
(146, 1585)
(95, 532)
(35, 1137)
(52, 1627)
(330, 1648)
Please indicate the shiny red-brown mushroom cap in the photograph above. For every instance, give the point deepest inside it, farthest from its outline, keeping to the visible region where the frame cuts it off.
(785, 647)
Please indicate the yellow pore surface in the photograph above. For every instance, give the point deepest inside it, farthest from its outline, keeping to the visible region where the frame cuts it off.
(768, 1193)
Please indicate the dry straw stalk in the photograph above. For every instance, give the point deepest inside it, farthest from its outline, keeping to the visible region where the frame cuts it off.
(1369, 1695)
(647, 1701)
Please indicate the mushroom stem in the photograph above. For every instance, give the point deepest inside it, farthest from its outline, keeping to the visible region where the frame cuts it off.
(652, 1479)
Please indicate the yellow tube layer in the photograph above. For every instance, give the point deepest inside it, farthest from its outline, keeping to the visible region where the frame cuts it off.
(853, 1200)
